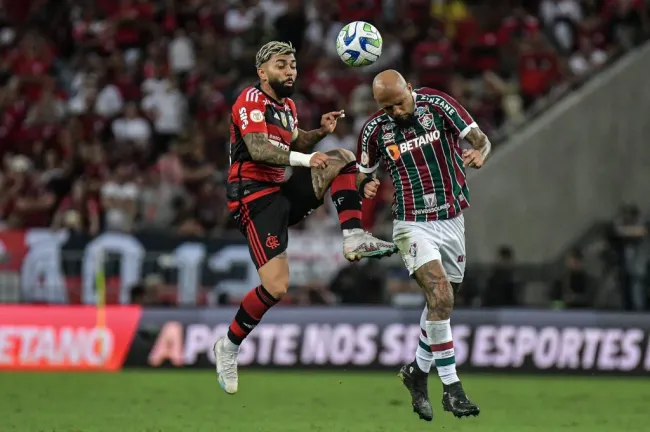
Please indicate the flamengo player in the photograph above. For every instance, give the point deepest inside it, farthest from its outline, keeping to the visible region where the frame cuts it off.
(417, 133)
(265, 139)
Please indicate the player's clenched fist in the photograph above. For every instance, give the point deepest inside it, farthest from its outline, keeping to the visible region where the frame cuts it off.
(318, 160)
(473, 159)
(328, 121)
(370, 189)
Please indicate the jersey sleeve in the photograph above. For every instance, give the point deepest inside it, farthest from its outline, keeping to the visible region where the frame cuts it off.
(248, 112)
(454, 113)
(367, 151)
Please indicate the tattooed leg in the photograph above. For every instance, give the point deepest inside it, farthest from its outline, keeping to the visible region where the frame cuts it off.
(439, 295)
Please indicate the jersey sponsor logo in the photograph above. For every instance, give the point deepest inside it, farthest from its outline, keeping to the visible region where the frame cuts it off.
(430, 200)
(365, 159)
(430, 210)
(257, 116)
(369, 129)
(461, 259)
(442, 103)
(393, 151)
(243, 116)
(419, 141)
(387, 127)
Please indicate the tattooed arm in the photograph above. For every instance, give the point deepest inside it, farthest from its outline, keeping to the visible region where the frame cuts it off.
(305, 141)
(261, 150)
(479, 141)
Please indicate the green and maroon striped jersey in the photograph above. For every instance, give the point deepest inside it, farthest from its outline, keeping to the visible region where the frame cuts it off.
(424, 160)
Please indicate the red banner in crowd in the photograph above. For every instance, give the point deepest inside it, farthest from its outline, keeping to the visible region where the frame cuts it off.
(65, 338)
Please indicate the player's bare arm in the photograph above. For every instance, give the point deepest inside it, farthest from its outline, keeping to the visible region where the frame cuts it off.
(261, 150)
(306, 140)
(481, 147)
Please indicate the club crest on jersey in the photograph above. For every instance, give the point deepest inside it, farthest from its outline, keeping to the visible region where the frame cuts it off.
(283, 118)
(426, 120)
(413, 249)
(292, 122)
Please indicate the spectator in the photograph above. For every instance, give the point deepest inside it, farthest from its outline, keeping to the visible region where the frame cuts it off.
(561, 18)
(30, 202)
(242, 17)
(78, 211)
(629, 236)
(181, 53)
(502, 289)
(207, 213)
(538, 69)
(132, 128)
(587, 59)
(168, 110)
(159, 200)
(433, 60)
(119, 198)
(574, 289)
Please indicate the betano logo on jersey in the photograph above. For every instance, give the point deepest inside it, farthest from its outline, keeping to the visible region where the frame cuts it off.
(395, 150)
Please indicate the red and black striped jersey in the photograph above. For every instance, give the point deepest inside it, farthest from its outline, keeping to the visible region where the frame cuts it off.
(256, 112)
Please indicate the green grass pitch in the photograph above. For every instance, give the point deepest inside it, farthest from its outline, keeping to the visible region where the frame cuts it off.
(191, 401)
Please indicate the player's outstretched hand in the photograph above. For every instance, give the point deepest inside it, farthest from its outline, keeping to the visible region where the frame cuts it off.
(370, 189)
(472, 158)
(318, 160)
(328, 121)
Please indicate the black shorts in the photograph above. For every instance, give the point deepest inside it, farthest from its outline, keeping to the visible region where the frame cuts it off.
(265, 221)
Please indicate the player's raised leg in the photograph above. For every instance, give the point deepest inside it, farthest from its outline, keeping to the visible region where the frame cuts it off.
(439, 294)
(267, 217)
(340, 177)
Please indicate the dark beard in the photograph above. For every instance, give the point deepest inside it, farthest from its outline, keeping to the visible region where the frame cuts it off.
(405, 122)
(281, 91)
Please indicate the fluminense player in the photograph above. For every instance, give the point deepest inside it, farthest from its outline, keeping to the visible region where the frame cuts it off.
(265, 139)
(417, 133)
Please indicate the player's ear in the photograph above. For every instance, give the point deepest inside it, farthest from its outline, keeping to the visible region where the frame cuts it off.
(261, 73)
(409, 87)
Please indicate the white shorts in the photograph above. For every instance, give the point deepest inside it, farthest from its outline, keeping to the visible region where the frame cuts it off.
(442, 240)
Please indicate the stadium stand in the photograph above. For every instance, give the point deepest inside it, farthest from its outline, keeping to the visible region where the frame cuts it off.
(115, 114)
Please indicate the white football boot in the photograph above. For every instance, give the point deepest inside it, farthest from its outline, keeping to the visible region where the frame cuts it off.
(358, 244)
(226, 365)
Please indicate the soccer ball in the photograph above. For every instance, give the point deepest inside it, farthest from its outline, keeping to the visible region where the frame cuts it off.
(359, 44)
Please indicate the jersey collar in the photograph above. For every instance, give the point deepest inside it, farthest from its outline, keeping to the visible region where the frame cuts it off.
(259, 87)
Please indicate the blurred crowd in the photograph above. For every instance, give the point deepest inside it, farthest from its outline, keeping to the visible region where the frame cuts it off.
(115, 113)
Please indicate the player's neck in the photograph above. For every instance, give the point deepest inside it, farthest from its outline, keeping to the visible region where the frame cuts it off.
(269, 91)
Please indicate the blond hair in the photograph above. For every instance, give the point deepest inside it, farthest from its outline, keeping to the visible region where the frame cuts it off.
(273, 48)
